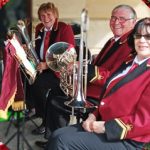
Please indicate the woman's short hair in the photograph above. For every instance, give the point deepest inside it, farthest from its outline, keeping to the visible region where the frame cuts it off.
(141, 25)
(48, 6)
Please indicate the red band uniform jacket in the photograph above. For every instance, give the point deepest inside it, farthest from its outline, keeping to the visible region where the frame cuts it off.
(61, 32)
(126, 106)
(106, 63)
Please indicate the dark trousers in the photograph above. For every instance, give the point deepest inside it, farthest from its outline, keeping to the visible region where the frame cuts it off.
(46, 81)
(75, 138)
(56, 115)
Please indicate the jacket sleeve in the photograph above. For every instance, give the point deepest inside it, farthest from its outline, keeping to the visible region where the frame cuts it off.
(67, 35)
(134, 125)
(97, 75)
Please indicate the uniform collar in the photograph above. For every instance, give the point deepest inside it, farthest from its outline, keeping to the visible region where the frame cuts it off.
(45, 29)
(124, 38)
(139, 62)
(54, 27)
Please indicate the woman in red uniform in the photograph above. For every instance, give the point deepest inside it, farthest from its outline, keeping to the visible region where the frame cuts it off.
(124, 107)
(51, 31)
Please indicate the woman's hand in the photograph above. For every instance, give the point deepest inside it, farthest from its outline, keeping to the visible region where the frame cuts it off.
(42, 66)
(25, 48)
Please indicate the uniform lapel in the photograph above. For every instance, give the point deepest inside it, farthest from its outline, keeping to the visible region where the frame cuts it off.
(120, 69)
(53, 36)
(39, 42)
(131, 76)
(112, 50)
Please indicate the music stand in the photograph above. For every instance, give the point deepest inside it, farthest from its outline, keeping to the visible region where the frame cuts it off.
(27, 68)
(20, 125)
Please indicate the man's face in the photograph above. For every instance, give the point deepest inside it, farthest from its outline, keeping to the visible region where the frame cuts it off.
(121, 21)
(47, 18)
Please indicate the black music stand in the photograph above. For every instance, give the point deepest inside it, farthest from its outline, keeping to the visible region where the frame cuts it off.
(20, 125)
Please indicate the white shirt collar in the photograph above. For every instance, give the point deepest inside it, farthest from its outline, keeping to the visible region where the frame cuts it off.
(139, 61)
(45, 29)
(115, 38)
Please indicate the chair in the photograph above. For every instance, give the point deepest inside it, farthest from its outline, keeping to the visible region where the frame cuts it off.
(80, 114)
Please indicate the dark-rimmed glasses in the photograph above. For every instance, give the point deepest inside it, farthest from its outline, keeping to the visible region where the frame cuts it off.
(120, 19)
(139, 36)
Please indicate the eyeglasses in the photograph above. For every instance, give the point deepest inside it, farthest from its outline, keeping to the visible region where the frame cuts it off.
(120, 19)
(139, 36)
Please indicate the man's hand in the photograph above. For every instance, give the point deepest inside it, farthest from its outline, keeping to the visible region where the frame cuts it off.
(87, 124)
(91, 125)
(98, 126)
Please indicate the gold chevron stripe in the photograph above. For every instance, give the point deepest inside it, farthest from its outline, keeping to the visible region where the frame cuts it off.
(97, 75)
(125, 127)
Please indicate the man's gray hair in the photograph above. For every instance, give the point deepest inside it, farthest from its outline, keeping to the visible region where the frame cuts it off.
(133, 12)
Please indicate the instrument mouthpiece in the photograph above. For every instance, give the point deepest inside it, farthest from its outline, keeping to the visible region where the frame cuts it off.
(84, 20)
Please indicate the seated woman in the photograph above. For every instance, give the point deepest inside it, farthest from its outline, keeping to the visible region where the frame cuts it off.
(124, 107)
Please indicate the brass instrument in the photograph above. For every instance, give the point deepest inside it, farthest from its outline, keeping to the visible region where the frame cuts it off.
(79, 98)
(30, 52)
(20, 55)
(27, 58)
(74, 84)
(22, 28)
(58, 57)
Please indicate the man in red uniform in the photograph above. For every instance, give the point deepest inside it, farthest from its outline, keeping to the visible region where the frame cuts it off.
(124, 107)
(115, 51)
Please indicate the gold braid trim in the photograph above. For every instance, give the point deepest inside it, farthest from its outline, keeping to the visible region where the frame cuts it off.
(3, 113)
(125, 127)
(148, 65)
(18, 105)
(97, 75)
(42, 28)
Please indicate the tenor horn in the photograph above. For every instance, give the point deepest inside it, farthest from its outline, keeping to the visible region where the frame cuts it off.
(31, 54)
(27, 59)
(23, 30)
(20, 55)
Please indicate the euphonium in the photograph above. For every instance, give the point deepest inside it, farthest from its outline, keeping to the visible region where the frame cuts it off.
(58, 57)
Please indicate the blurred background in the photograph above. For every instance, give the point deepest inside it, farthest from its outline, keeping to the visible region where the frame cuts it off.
(69, 11)
(99, 14)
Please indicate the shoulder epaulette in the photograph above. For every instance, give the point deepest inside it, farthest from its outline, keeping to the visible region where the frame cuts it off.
(148, 63)
(130, 57)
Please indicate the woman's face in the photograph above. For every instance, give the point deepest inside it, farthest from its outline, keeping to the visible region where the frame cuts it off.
(142, 45)
(48, 18)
